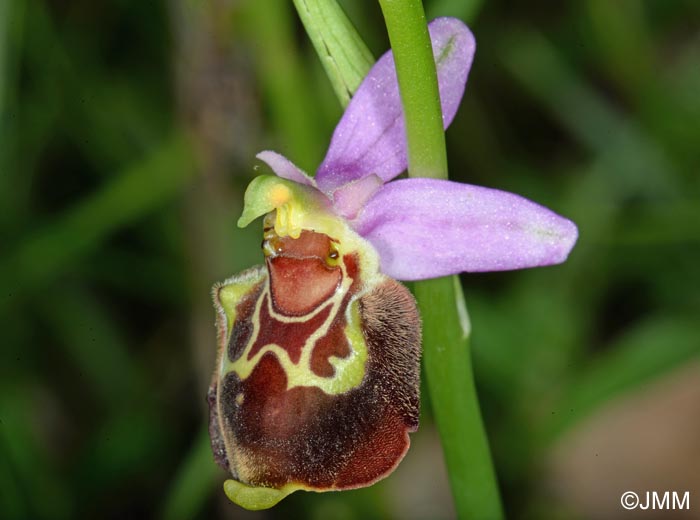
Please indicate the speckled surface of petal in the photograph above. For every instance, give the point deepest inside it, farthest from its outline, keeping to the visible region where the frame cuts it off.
(424, 228)
(371, 136)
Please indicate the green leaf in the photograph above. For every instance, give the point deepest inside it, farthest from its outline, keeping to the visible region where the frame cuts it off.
(344, 55)
(464, 9)
(51, 249)
(193, 482)
(284, 75)
(645, 352)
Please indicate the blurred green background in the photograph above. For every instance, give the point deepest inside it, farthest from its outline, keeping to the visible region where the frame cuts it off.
(127, 135)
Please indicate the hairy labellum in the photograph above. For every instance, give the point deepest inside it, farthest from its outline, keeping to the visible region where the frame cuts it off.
(316, 385)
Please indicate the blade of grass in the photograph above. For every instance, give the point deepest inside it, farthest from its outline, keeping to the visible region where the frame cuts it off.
(647, 351)
(620, 30)
(344, 55)
(636, 158)
(43, 493)
(193, 482)
(464, 9)
(5, 46)
(93, 344)
(132, 194)
(12, 18)
(283, 77)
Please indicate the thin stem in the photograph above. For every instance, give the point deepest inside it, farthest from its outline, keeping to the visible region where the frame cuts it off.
(447, 361)
(446, 355)
(415, 68)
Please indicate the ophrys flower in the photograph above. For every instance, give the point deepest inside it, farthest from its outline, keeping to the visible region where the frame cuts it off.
(316, 385)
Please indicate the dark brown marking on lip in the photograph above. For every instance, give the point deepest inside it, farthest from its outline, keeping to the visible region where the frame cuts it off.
(290, 336)
(334, 342)
(243, 326)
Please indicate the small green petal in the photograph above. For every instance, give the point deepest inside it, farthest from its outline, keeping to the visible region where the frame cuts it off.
(255, 498)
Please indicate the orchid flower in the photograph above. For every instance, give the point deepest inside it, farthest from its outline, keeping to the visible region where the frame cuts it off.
(316, 385)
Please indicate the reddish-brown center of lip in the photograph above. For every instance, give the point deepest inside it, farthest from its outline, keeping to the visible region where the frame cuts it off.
(300, 277)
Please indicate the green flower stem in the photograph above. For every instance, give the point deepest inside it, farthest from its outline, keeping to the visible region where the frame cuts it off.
(415, 68)
(445, 322)
(447, 361)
